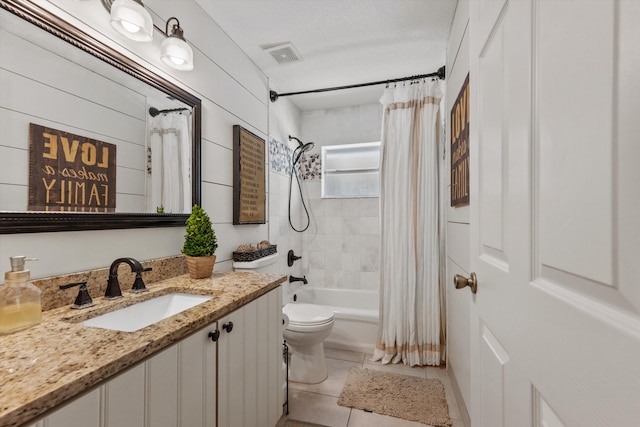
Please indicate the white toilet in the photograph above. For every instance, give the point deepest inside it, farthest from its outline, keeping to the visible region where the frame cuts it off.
(309, 325)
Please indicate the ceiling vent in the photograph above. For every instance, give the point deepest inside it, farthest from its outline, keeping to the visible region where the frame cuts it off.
(284, 53)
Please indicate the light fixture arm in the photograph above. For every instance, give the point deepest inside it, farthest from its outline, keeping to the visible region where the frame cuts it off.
(176, 30)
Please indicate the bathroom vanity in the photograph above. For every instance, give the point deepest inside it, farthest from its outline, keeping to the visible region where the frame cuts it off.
(216, 364)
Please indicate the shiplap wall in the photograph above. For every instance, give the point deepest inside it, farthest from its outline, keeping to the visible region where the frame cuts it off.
(62, 94)
(233, 91)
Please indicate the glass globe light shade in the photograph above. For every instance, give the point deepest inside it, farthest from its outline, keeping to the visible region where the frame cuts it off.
(176, 53)
(132, 20)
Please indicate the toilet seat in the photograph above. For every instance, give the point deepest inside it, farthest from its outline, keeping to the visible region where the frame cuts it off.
(301, 315)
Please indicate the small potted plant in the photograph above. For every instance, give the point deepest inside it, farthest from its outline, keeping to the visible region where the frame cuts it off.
(200, 244)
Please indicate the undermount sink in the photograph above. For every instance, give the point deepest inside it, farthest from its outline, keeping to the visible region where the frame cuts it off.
(142, 314)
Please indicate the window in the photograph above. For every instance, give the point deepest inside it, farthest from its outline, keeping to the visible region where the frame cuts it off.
(351, 170)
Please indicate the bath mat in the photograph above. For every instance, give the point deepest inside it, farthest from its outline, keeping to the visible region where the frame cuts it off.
(400, 396)
(294, 423)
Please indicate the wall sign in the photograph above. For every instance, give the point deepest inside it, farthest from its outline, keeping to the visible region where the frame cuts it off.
(460, 148)
(70, 173)
(249, 193)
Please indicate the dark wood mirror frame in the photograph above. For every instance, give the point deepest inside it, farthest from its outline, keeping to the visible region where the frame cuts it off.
(35, 222)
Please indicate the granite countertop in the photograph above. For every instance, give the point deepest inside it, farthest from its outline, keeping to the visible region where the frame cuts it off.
(45, 365)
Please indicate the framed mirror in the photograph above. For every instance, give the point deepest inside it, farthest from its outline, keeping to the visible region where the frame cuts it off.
(57, 97)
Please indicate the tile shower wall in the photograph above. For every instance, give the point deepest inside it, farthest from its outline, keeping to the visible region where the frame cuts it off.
(341, 247)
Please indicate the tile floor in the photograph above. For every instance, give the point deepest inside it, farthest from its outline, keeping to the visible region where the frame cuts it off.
(318, 403)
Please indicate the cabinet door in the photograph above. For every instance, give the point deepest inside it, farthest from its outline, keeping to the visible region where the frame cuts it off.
(181, 383)
(231, 361)
(197, 379)
(271, 374)
(82, 412)
(249, 364)
(124, 398)
(162, 388)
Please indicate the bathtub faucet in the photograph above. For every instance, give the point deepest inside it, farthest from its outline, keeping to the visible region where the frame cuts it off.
(302, 279)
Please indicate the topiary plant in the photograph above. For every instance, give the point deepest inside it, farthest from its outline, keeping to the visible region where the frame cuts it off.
(200, 239)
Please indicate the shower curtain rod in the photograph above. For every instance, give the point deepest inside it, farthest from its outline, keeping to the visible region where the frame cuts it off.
(154, 111)
(273, 95)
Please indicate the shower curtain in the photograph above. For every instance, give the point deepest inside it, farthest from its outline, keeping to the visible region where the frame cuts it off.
(169, 164)
(410, 293)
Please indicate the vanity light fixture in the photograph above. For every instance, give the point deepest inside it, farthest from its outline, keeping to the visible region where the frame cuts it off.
(132, 20)
(174, 50)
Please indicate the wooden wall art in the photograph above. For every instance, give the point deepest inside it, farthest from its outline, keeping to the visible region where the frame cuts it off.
(249, 189)
(70, 173)
(460, 148)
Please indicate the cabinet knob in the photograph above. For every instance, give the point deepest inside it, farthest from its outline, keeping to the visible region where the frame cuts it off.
(214, 335)
(228, 326)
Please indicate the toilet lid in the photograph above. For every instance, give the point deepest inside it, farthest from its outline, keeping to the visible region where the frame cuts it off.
(307, 314)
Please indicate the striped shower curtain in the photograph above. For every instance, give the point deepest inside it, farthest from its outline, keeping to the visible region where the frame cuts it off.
(169, 164)
(410, 294)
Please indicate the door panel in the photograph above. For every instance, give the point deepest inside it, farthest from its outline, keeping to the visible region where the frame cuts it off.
(627, 129)
(493, 360)
(491, 155)
(488, 13)
(544, 415)
(574, 164)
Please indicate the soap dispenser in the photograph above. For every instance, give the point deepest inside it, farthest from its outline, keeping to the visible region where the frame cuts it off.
(20, 302)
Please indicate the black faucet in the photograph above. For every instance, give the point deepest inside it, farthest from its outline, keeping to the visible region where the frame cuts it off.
(113, 285)
(302, 279)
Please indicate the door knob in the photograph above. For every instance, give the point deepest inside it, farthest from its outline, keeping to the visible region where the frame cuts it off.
(462, 282)
(228, 327)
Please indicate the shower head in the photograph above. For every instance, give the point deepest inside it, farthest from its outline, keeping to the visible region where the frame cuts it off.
(300, 149)
(301, 145)
(308, 146)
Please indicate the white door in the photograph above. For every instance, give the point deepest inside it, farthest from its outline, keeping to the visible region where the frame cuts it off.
(555, 212)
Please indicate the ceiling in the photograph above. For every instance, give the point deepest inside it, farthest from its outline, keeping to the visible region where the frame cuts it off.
(341, 42)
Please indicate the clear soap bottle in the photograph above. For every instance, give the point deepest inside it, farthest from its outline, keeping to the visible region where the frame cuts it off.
(20, 301)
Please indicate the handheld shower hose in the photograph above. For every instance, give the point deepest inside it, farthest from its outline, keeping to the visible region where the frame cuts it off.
(295, 159)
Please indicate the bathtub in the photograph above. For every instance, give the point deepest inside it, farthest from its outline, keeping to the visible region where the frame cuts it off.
(355, 312)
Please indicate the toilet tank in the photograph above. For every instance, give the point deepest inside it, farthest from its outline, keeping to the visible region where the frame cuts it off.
(261, 265)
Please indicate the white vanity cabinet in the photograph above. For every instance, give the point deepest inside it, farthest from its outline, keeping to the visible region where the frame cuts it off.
(232, 382)
(250, 364)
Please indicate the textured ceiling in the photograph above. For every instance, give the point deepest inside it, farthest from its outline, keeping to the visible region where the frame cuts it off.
(341, 42)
